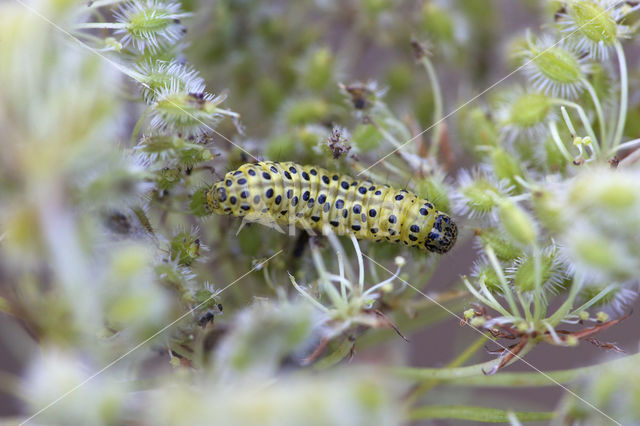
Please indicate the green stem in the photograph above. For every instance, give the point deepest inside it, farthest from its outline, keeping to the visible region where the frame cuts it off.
(558, 315)
(535, 379)
(508, 294)
(556, 138)
(101, 25)
(101, 3)
(422, 374)
(327, 285)
(137, 127)
(460, 359)
(605, 291)
(437, 105)
(340, 353)
(478, 414)
(624, 96)
(584, 119)
(538, 308)
(598, 107)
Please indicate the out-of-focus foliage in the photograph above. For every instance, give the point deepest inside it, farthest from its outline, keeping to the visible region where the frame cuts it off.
(134, 305)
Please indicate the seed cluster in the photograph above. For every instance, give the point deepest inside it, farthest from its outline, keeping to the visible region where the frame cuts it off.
(310, 197)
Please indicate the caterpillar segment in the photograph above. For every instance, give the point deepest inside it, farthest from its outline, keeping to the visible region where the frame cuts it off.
(283, 194)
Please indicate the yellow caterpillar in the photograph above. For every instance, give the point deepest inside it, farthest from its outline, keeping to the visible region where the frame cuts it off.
(309, 197)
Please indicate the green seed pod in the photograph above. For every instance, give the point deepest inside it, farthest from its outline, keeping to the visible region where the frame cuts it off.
(549, 209)
(594, 22)
(305, 111)
(437, 22)
(597, 252)
(605, 190)
(553, 69)
(558, 65)
(198, 203)
(477, 129)
(517, 223)
(478, 196)
(168, 178)
(505, 166)
(185, 248)
(319, 70)
(554, 160)
(488, 275)
(529, 109)
(523, 274)
(504, 249)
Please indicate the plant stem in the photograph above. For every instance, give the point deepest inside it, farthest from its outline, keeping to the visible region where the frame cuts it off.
(535, 379)
(553, 128)
(422, 374)
(458, 361)
(479, 414)
(598, 107)
(101, 25)
(583, 118)
(624, 95)
(508, 294)
(437, 105)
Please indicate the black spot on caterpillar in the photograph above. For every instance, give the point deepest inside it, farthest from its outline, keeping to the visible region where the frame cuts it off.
(309, 197)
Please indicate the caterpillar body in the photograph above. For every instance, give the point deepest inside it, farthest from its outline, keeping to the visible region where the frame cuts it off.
(311, 198)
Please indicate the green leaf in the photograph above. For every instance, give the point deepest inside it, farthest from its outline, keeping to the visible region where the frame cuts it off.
(479, 414)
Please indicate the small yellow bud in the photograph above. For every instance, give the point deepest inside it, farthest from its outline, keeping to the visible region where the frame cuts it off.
(399, 261)
(602, 316)
(387, 288)
(469, 313)
(571, 340)
(583, 315)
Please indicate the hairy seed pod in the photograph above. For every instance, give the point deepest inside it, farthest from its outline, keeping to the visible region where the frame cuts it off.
(310, 198)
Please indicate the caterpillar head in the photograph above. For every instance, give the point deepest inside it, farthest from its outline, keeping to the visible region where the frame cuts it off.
(443, 235)
(212, 203)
